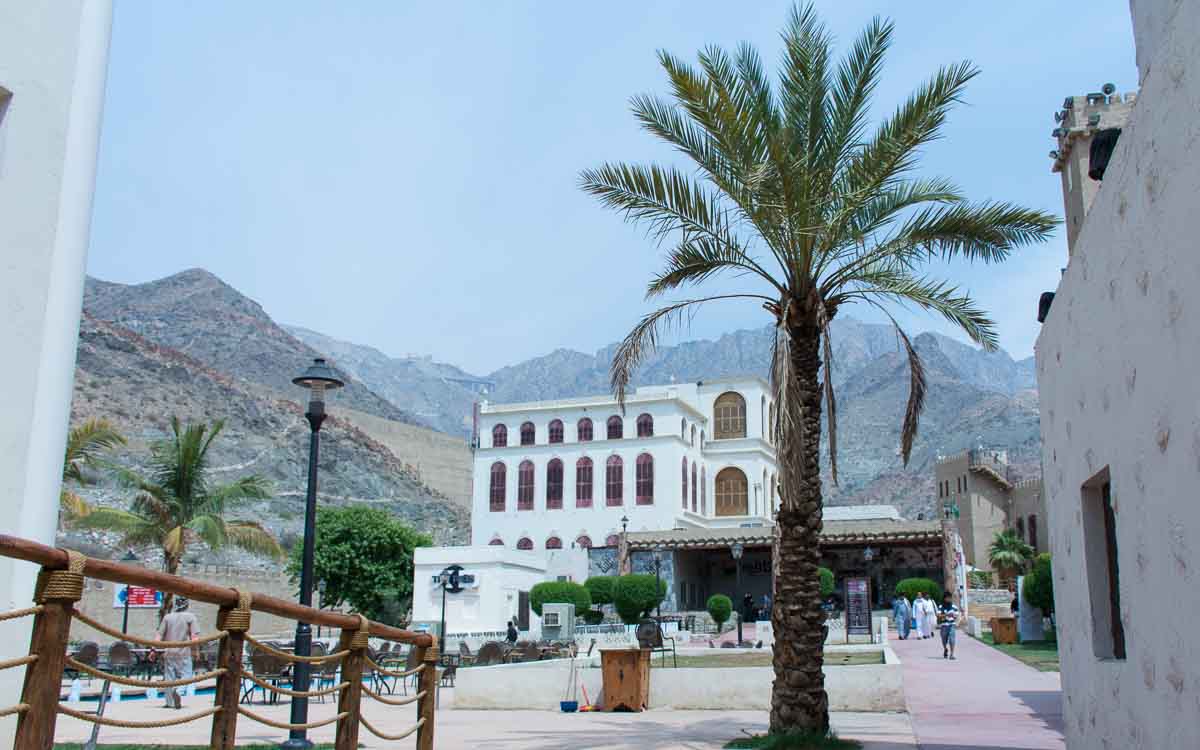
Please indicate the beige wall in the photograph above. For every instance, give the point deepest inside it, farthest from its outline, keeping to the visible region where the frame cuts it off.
(1029, 503)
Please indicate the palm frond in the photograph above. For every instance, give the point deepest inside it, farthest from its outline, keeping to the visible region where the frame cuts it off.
(252, 487)
(109, 519)
(987, 231)
(85, 444)
(253, 538)
(174, 542)
(916, 396)
(210, 529)
(855, 82)
(73, 506)
(830, 401)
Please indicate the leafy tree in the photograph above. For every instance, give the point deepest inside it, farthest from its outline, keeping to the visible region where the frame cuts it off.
(177, 505)
(1038, 585)
(826, 576)
(365, 557)
(910, 587)
(85, 445)
(720, 608)
(601, 589)
(563, 592)
(636, 596)
(791, 193)
(1008, 553)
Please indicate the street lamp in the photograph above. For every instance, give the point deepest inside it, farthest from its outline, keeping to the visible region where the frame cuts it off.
(624, 524)
(318, 378)
(736, 550)
(658, 550)
(128, 558)
(449, 581)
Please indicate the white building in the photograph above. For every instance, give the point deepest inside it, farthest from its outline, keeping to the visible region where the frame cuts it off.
(553, 474)
(1120, 416)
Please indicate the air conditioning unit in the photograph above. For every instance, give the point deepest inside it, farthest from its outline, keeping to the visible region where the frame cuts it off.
(558, 622)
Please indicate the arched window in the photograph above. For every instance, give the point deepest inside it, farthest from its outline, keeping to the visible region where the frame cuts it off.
(583, 430)
(528, 433)
(614, 484)
(645, 426)
(553, 543)
(554, 484)
(556, 431)
(762, 415)
(701, 439)
(703, 490)
(694, 487)
(644, 475)
(771, 426)
(496, 489)
(693, 436)
(1033, 532)
(729, 416)
(583, 483)
(616, 428)
(496, 542)
(774, 485)
(499, 436)
(1021, 529)
(683, 430)
(525, 486)
(583, 541)
(759, 502)
(612, 540)
(524, 543)
(732, 495)
(684, 483)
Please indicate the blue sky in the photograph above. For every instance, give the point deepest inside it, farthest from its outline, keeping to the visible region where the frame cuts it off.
(404, 174)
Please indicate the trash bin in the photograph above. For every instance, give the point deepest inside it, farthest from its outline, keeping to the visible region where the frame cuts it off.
(1004, 630)
(626, 675)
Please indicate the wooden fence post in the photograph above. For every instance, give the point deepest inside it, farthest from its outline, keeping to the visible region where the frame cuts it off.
(57, 591)
(426, 706)
(236, 621)
(350, 699)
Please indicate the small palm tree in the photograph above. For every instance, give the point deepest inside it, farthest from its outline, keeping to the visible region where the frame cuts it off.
(812, 211)
(1008, 553)
(85, 444)
(176, 505)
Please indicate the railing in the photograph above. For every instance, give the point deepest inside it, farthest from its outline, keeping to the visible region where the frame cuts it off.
(991, 460)
(60, 586)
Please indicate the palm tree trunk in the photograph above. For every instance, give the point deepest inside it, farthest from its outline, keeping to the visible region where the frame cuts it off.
(798, 699)
(171, 567)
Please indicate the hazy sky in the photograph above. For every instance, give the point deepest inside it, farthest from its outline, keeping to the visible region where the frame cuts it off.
(404, 174)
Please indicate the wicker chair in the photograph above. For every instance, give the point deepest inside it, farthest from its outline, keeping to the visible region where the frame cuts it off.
(267, 668)
(120, 658)
(491, 653)
(89, 654)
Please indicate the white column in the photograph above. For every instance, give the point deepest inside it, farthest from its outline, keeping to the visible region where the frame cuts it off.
(53, 60)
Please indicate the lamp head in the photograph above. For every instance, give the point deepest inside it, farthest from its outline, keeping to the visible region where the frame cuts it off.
(736, 550)
(319, 378)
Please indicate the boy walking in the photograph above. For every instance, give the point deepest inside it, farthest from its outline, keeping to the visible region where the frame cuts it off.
(948, 616)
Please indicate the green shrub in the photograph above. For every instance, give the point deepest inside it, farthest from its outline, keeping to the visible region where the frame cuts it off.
(826, 581)
(601, 589)
(559, 592)
(1038, 586)
(979, 579)
(636, 596)
(719, 607)
(910, 587)
(592, 616)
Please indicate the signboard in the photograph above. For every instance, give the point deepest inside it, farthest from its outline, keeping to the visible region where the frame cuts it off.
(140, 597)
(858, 606)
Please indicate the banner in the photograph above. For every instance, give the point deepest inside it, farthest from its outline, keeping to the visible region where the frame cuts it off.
(140, 597)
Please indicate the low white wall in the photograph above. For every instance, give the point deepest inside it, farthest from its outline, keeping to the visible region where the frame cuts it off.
(537, 685)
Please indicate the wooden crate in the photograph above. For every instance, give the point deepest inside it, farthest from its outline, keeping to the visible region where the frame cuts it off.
(1004, 630)
(626, 673)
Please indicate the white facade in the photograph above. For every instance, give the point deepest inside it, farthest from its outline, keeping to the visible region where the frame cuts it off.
(684, 430)
(1120, 417)
(53, 59)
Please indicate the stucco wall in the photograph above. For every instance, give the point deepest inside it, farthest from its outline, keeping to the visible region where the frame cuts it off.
(1116, 363)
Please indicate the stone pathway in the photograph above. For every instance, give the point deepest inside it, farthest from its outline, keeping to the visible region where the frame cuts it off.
(984, 700)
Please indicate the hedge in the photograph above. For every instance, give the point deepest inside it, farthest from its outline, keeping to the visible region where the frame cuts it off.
(826, 576)
(1038, 586)
(719, 607)
(910, 587)
(601, 589)
(635, 596)
(559, 592)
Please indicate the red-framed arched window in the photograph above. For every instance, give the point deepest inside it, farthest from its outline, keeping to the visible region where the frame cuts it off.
(554, 484)
(496, 488)
(583, 483)
(616, 428)
(528, 433)
(695, 487)
(499, 436)
(555, 431)
(645, 426)
(614, 484)
(525, 486)
(496, 542)
(524, 543)
(684, 483)
(583, 541)
(612, 540)
(644, 479)
(583, 430)
(553, 543)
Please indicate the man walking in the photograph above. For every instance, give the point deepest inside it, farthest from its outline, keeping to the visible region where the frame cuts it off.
(926, 613)
(901, 615)
(948, 616)
(180, 625)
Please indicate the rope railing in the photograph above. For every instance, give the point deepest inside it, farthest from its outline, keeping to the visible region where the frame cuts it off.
(295, 693)
(286, 656)
(147, 642)
(391, 737)
(134, 682)
(389, 673)
(394, 701)
(18, 662)
(17, 613)
(287, 726)
(20, 708)
(125, 724)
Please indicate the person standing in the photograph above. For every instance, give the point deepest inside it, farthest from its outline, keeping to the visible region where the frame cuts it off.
(948, 617)
(931, 621)
(511, 634)
(901, 615)
(923, 610)
(180, 625)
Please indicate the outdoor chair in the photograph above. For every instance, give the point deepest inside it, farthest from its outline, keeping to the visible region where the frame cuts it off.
(448, 675)
(524, 651)
(120, 658)
(650, 635)
(465, 657)
(490, 653)
(89, 654)
(328, 674)
(269, 669)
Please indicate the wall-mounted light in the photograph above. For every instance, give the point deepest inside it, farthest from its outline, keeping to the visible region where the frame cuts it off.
(1094, 119)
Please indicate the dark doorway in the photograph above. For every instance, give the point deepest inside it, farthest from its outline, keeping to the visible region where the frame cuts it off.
(523, 610)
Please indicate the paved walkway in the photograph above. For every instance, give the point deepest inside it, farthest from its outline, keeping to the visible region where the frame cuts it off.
(984, 700)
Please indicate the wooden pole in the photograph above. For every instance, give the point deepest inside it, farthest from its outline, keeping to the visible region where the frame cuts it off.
(350, 699)
(426, 707)
(43, 678)
(229, 686)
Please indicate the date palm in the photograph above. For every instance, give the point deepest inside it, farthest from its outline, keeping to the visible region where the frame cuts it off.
(1008, 553)
(793, 193)
(177, 505)
(85, 445)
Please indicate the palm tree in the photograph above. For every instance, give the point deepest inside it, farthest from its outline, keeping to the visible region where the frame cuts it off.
(176, 505)
(812, 212)
(85, 444)
(1008, 553)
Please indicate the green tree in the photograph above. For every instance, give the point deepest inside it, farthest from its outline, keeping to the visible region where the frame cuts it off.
(85, 445)
(811, 211)
(176, 504)
(1038, 585)
(365, 557)
(719, 607)
(827, 582)
(910, 587)
(601, 589)
(636, 595)
(1008, 553)
(561, 592)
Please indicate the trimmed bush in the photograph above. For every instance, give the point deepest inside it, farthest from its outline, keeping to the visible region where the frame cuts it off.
(592, 616)
(826, 576)
(601, 589)
(979, 579)
(635, 596)
(719, 607)
(1038, 586)
(559, 592)
(910, 587)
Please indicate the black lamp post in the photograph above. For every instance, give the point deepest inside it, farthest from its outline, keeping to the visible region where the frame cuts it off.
(128, 558)
(318, 378)
(658, 550)
(449, 581)
(320, 601)
(736, 550)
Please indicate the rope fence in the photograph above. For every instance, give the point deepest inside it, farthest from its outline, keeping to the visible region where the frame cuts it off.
(123, 724)
(17, 613)
(134, 682)
(11, 710)
(18, 662)
(393, 701)
(295, 693)
(294, 657)
(391, 737)
(147, 642)
(390, 673)
(288, 727)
